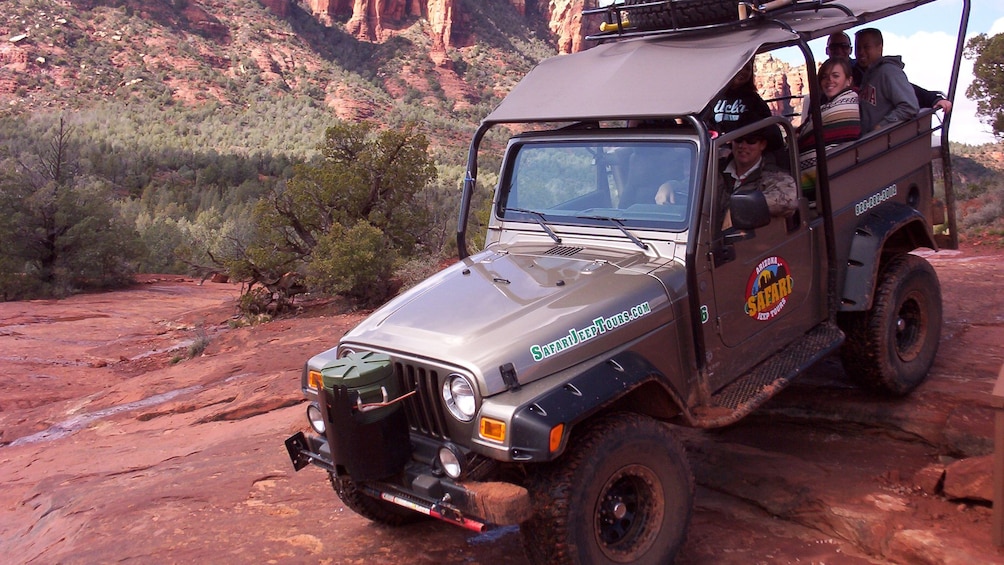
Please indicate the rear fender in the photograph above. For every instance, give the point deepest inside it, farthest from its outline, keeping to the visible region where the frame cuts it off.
(884, 231)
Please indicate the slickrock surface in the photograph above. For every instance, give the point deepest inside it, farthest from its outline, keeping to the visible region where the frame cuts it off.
(116, 446)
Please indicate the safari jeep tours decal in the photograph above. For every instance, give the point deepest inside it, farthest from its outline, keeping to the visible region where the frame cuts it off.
(599, 326)
(768, 288)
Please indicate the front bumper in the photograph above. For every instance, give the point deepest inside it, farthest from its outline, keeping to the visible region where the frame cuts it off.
(376, 450)
(474, 505)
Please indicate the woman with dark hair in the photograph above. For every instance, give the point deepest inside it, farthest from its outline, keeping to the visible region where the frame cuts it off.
(838, 105)
(841, 116)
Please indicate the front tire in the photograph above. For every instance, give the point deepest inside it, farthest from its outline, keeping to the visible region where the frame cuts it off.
(622, 493)
(891, 347)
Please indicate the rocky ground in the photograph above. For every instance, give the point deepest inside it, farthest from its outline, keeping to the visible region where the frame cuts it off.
(116, 446)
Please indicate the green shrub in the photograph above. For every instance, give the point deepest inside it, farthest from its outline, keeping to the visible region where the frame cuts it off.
(199, 345)
(357, 262)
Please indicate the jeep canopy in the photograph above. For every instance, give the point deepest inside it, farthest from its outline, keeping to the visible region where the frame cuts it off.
(670, 75)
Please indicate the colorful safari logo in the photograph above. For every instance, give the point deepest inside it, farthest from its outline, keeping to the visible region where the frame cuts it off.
(768, 288)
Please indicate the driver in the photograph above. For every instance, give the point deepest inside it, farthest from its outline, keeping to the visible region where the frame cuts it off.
(749, 168)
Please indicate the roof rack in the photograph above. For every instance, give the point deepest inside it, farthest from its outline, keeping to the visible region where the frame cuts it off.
(643, 18)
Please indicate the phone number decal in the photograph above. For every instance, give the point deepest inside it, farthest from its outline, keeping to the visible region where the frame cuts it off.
(875, 199)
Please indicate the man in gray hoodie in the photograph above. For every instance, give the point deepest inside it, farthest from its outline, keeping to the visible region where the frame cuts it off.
(886, 96)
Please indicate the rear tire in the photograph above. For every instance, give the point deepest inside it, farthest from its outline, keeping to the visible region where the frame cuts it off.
(379, 511)
(622, 493)
(891, 347)
(689, 13)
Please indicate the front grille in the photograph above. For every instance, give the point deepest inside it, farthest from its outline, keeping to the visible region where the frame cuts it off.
(424, 409)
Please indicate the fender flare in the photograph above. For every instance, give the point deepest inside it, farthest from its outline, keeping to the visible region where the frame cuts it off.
(886, 230)
(576, 400)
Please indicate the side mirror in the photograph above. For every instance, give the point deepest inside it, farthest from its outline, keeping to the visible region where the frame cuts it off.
(749, 210)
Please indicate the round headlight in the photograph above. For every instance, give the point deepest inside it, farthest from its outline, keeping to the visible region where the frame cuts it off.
(459, 397)
(450, 461)
(315, 418)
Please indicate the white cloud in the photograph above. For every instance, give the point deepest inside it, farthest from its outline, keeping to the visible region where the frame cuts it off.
(928, 57)
(997, 27)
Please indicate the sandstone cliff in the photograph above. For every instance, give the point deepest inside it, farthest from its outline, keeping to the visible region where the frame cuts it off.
(565, 21)
(781, 85)
(376, 20)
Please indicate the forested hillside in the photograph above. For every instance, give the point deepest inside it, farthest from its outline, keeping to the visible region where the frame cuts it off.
(979, 183)
(169, 136)
(180, 116)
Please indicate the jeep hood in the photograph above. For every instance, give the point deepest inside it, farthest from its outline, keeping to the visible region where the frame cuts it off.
(533, 308)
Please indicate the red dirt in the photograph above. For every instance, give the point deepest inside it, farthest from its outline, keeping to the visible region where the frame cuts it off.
(116, 446)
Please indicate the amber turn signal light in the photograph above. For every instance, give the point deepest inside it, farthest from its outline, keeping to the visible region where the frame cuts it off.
(492, 429)
(555, 440)
(314, 380)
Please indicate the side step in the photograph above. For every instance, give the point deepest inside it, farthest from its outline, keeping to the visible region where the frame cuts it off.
(747, 393)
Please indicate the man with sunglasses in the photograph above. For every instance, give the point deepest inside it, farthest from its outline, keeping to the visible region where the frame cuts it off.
(839, 45)
(749, 168)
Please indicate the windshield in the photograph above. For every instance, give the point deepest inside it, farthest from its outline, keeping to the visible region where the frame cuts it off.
(641, 184)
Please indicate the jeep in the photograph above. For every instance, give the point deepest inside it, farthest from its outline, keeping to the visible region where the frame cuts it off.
(538, 381)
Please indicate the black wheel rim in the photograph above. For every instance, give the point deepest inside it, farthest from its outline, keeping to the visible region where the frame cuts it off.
(910, 327)
(629, 513)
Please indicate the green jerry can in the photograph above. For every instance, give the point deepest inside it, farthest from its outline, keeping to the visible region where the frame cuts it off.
(369, 375)
(368, 442)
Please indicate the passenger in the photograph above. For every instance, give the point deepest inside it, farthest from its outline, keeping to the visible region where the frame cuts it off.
(657, 173)
(932, 99)
(840, 113)
(838, 106)
(749, 168)
(672, 192)
(886, 96)
(739, 103)
(839, 45)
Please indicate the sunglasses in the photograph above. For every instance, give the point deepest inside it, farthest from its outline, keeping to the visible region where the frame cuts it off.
(750, 139)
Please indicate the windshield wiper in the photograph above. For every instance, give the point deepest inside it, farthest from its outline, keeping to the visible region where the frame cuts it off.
(620, 225)
(539, 218)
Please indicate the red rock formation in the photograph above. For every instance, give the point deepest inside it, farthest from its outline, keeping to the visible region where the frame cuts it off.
(374, 20)
(565, 21)
(325, 10)
(781, 84)
(370, 18)
(205, 23)
(441, 20)
(278, 7)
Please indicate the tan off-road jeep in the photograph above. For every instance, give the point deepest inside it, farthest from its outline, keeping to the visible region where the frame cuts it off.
(536, 382)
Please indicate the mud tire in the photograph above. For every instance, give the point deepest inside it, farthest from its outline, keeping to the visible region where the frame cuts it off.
(379, 511)
(622, 493)
(891, 348)
(689, 13)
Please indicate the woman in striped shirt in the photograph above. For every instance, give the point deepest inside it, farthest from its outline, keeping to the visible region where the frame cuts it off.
(841, 117)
